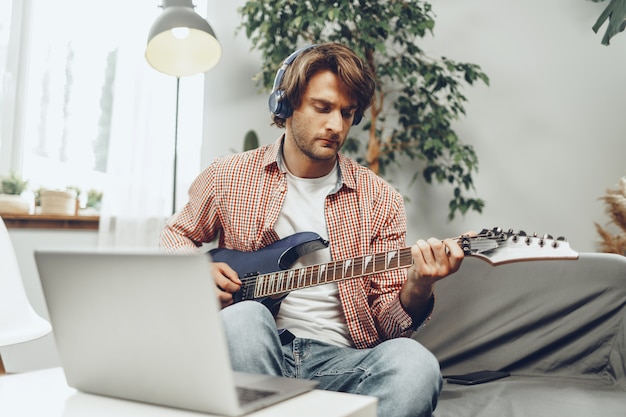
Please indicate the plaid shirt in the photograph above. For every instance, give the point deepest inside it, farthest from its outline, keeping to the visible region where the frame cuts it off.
(239, 197)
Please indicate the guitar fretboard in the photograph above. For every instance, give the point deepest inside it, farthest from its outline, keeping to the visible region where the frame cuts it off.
(294, 279)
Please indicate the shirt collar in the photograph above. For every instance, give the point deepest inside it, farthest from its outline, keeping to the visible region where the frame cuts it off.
(345, 175)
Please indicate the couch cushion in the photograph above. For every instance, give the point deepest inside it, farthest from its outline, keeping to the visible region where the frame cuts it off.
(519, 396)
(564, 318)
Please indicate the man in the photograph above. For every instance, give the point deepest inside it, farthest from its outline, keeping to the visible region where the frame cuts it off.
(353, 335)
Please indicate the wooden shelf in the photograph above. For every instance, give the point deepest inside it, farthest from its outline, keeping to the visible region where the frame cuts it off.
(47, 221)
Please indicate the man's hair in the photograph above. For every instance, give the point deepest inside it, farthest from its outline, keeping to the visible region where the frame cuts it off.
(340, 60)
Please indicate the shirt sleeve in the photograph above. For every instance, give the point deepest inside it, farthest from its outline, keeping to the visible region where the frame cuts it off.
(198, 221)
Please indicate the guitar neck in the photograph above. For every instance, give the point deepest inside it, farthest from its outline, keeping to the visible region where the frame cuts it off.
(493, 246)
(280, 282)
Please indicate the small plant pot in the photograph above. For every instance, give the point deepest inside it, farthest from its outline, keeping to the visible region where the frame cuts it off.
(58, 202)
(13, 204)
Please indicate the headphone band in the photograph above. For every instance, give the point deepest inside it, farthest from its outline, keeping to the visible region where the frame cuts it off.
(279, 104)
(281, 71)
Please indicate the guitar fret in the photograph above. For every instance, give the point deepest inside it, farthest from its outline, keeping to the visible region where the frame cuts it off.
(367, 264)
(376, 262)
(312, 271)
(309, 279)
(272, 283)
(324, 278)
(330, 272)
(358, 266)
(289, 283)
(405, 259)
(302, 276)
(391, 256)
(259, 290)
(281, 282)
(275, 282)
(347, 265)
(322, 271)
(338, 274)
(333, 277)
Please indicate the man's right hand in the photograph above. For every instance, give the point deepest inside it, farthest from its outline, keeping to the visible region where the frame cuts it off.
(227, 282)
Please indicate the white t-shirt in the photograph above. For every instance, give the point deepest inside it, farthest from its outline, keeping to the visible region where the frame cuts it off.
(314, 312)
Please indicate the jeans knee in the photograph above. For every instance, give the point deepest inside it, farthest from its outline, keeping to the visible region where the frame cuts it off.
(247, 314)
(252, 339)
(406, 379)
(414, 363)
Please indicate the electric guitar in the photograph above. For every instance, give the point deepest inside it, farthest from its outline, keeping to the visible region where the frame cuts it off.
(266, 277)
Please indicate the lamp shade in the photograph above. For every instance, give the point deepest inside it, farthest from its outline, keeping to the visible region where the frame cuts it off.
(18, 321)
(180, 42)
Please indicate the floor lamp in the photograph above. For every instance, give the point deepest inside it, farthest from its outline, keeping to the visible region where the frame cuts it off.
(181, 43)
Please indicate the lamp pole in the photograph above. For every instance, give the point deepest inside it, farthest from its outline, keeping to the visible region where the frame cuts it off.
(175, 147)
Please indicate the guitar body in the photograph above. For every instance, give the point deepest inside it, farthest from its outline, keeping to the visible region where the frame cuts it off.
(278, 256)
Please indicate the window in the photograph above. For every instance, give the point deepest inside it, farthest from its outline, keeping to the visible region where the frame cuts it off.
(60, 65)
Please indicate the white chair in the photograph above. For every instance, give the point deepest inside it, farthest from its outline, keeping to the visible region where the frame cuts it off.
(18, 321)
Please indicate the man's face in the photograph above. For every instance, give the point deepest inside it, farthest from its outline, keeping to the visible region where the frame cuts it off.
(320, 125)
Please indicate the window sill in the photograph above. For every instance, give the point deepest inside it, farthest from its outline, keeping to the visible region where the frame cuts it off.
(48, 221)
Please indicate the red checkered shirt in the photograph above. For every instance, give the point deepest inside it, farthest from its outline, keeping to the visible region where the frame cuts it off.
(239, 197)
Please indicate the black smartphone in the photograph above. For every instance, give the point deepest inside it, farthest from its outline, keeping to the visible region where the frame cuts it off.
(474, 378)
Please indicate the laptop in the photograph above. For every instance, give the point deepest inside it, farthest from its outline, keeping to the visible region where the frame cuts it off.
(145, 326)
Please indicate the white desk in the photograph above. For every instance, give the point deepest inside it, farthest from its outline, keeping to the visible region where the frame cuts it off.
(46, 394)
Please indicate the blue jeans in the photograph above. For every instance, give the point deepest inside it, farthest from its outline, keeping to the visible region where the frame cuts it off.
(401, 373)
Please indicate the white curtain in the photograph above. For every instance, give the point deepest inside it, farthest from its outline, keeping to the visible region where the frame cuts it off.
(67, 65)
(137, 197)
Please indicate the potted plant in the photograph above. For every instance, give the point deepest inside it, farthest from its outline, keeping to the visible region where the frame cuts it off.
(11, 200)
(94, 199)
(615, 208)
(417, 97)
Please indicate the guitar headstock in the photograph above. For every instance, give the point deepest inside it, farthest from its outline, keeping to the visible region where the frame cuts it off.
(499, 247)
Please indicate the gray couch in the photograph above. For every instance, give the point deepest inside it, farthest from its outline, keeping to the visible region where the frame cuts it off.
(558, 327)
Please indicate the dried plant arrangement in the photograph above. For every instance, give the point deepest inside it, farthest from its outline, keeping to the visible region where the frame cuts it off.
(615, 201)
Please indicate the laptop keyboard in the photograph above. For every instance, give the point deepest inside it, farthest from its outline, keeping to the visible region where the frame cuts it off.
(248, 395)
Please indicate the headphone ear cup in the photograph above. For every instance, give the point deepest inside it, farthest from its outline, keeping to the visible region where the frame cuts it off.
(279, 105)
(357, 119)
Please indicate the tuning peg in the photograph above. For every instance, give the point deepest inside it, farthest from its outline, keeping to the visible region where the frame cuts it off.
(522, 233)
(561, 239)
(547, 236)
